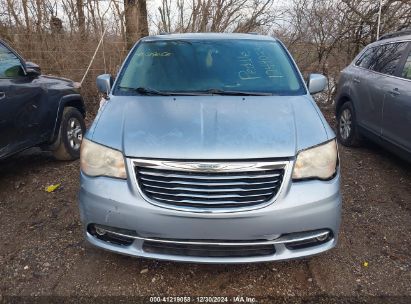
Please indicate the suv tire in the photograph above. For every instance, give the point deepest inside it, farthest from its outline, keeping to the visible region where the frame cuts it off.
(347, 129)
(72, 129)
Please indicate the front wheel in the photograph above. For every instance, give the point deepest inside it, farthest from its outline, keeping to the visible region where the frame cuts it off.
(72, 129)
(347, 129)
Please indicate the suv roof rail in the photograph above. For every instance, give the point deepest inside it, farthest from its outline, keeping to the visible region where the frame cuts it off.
(252, 33)
(396, 34)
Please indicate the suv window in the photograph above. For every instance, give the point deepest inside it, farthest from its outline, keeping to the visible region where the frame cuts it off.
(383, 58)
(406, 71)
(178, 66)
(388, 57)
(367, 59)
(10, 65)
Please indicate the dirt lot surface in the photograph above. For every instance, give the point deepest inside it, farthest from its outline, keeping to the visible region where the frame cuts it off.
(42, 250)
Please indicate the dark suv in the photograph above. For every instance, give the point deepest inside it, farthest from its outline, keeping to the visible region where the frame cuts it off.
(374, 95)
(37, 110)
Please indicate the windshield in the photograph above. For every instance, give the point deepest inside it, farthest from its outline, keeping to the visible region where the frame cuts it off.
(209, 66)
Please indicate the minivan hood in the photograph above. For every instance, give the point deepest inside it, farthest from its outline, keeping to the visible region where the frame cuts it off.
(209, 127)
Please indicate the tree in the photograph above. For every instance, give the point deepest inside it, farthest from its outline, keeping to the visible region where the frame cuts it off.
(215, 15)
(81, 18)
(135, 20)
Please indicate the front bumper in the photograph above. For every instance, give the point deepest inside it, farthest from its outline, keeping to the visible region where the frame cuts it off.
(300, 207)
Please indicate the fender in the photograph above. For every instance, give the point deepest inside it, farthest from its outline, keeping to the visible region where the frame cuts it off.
(343, 95)
(71, 100)
(340, 100)
(343, 91)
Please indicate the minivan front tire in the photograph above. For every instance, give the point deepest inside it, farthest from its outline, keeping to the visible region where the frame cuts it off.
(347, 128)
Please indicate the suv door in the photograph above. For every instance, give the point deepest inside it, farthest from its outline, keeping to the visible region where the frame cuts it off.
(19, 104)
(397, 105)
(364, 80)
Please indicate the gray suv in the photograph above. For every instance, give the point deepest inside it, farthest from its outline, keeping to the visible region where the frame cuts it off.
(209, 148)
(374, 95)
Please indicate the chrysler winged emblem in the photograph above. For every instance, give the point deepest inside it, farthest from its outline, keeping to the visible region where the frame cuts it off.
(208, 166)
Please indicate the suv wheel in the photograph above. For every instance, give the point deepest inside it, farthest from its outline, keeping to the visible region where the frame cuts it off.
(72, 129)
(347, 130)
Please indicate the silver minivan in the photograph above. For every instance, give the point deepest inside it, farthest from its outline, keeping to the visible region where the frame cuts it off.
(209, 148)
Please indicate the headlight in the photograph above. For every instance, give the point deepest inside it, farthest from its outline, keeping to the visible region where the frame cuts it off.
(97, 160)
(317, 162)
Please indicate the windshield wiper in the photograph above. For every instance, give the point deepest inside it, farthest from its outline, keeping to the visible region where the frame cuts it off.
(149, 91)
(235, 93)
(146, 91)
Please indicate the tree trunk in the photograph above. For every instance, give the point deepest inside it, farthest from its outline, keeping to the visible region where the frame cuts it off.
(39, 16)
(81, 18)
(121, 18)
(26, 15)
(135, 20)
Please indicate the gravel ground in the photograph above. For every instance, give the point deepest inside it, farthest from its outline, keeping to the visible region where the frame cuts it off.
(43, 252)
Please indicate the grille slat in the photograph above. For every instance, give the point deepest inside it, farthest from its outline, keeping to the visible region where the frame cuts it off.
(209, 190)
(190, 175)
(207, 195)
(209, 203)
(210, 183)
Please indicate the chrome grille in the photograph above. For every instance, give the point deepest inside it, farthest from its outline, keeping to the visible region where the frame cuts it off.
(207, 185)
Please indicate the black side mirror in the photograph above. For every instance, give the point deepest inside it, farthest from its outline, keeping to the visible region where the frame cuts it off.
(32, 69)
